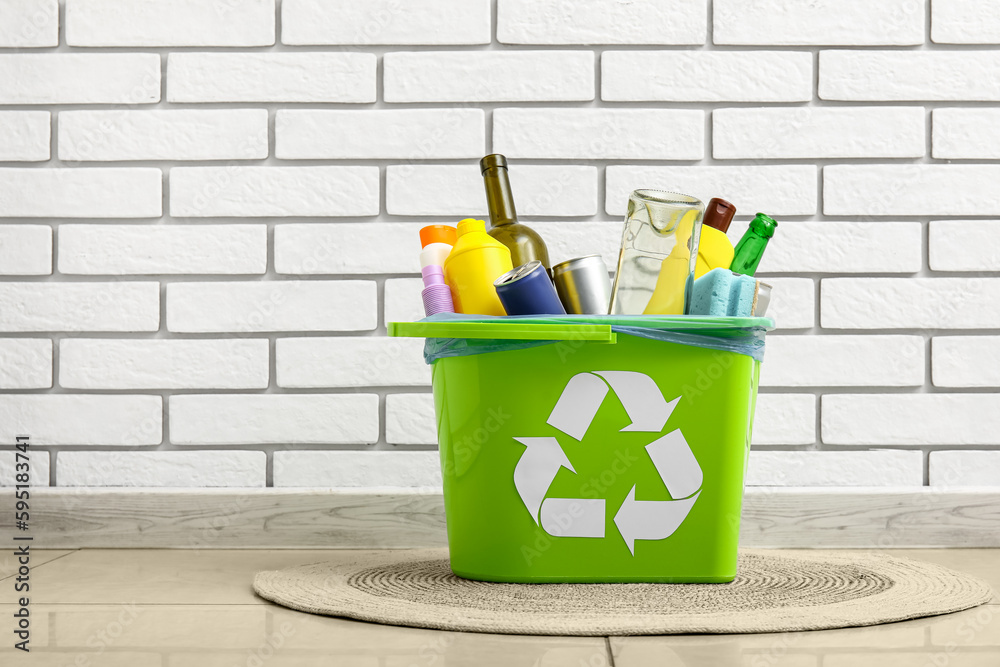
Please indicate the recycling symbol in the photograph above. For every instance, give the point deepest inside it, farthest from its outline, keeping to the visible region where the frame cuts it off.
(648, 412)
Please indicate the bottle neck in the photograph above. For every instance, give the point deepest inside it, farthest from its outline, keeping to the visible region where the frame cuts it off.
(499, 199)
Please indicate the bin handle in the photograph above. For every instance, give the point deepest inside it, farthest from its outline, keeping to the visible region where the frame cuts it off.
(596, 333)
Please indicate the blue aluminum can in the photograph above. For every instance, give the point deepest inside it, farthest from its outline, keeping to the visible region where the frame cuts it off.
(528, 290)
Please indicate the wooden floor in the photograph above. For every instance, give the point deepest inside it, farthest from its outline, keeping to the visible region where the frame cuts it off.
(173, 608)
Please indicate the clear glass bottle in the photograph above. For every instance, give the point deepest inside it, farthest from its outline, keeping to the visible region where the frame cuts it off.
(657, 259)
(523, 242)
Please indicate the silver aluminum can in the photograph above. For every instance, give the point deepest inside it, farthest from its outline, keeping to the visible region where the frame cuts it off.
(583, 285)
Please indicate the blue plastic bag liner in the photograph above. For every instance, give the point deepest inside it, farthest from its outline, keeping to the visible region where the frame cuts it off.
(743, 335)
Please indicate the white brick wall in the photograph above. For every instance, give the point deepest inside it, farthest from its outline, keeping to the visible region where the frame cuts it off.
(169, 23)
(183, 469)
(90, 363)
(24, 136)
(223, 198)
(152, 249)
(243, 419)
(29, 23)
(239, 134)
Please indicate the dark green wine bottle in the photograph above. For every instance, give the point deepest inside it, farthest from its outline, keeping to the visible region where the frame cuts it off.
(750, 249)
(524, 243)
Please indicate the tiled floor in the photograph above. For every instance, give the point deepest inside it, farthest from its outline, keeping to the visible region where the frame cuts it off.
(145, 608)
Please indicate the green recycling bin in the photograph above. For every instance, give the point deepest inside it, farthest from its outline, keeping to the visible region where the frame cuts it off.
(593, 448)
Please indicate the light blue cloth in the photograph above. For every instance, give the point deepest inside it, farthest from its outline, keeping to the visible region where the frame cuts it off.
(721, 292)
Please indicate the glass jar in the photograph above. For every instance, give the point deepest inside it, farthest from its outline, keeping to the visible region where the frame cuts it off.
(658, 254)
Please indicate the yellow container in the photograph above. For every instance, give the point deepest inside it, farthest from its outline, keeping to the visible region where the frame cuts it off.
(476, 260)
(714, 251)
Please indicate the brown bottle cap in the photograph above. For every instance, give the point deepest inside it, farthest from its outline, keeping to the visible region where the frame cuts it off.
(494, 160)
(718, 214)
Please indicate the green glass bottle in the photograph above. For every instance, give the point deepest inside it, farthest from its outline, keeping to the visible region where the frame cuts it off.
(524, 243)
(751, 247)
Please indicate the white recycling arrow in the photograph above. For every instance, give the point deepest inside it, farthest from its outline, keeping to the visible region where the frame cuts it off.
(574, 412)
(650, 519)
(573, 517)
(536, 470)
(658, 519)
(674, 460)
(641, 398)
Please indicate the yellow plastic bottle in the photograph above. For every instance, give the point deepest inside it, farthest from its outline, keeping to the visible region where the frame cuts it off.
(714, 248)
(671, 283)
(714, 251)
(475, 261)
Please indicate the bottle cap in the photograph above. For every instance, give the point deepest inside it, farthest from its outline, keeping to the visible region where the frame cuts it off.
(471, 225)
(718, 214)
(437, 234)
(494, 160)
(764, 225)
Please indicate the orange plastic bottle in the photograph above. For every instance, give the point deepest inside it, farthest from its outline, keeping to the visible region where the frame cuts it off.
(475, 261)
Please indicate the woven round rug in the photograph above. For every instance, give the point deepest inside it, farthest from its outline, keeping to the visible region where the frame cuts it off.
(774, 591)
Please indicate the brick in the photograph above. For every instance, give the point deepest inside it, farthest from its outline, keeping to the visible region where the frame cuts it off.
(60, 306)
(488, 76)
(706, 76)
(162, 248)
(357, 469)
(170, 23)
(793, 302)
(965, 22)
(271, 77)
(347, 247)
(964, 468)
(402, 300)
(25, 363)
(25, 250)
(964, 245)
(29, 23)
(965, 361)
(413, 134)
(79, 78)
(911, 189)
(351, 362)
(451, 190)
(385, 22)
(38, 475)
(909, 75)
(815, 132)
(238, 191)
(24, 135)
(576, 238)
(871, 468)
(841, 247)
(410, 420)
(594, 134)
(909, 303)
(80, 193)
(911, 419)
(251, 419)
(601, 22)
(843, 361)
(784, 419)
(966, 134)
(277, 305)
(217, 134)
(82, 419)
(776, 189)
(88, 363)
(162, 469)
(844, 22)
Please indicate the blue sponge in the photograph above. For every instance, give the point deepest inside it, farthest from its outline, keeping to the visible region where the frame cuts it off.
(722, 292)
